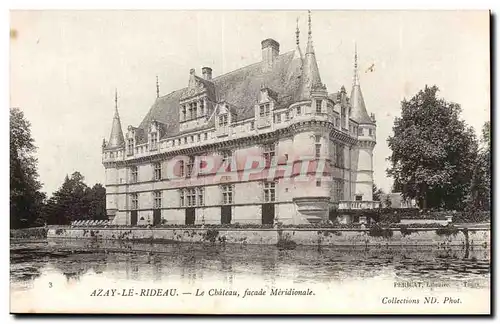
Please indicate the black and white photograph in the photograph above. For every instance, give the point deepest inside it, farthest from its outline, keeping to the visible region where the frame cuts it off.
(250, 162)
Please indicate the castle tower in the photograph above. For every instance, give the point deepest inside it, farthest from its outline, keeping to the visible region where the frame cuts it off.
(112, 151)
(363, 157)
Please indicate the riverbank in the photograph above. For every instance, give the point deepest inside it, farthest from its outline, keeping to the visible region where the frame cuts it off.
(285, 237)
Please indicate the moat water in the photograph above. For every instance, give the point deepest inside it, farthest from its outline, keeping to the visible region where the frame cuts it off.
(75, 275)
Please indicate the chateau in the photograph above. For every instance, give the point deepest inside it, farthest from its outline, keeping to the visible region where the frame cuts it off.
(277, 109)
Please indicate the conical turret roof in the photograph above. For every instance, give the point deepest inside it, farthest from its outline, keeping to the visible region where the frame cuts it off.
(116, 138)
(359, 112)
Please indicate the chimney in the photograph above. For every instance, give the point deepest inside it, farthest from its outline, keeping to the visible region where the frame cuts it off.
(207, 73)
(270, 50)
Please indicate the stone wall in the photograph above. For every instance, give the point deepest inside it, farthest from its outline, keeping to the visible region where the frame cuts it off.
(320, 236)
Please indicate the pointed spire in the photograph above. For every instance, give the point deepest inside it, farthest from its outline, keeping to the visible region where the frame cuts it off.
(116, 139)
(157, 88)
(359, 112)
(310, 79)
(356, 73)
(297, 33)
(309, 48)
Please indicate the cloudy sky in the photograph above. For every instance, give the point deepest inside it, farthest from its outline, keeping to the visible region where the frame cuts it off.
(65, 66)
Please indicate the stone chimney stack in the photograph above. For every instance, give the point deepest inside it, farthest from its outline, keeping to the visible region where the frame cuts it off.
(270, 50)
(207, 73)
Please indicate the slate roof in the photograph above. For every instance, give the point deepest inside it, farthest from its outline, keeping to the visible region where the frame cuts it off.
(240, 88)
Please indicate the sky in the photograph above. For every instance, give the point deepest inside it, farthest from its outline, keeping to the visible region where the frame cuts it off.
(65, 66)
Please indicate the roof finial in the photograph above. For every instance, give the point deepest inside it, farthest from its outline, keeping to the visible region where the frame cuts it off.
(116, 99)
(297, 33)
(356, 75)
(309, 48)
(157, 88)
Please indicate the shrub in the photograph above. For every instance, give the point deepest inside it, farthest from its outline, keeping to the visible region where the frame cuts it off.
(447, 230)
(211, 235)
(378, 231)
(405, 230)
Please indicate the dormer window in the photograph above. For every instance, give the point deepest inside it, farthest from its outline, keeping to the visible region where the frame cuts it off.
(183, 112)
(264, 110)
(130, 146)
(223, 120)
(154, 141)
(318, 106)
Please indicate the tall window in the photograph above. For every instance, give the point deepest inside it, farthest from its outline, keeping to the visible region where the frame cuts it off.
(201, 196)
(264, 110)
(190, 165)
(202, 108)
(134, 201)
(318, 146)
(227, 194)
(157, 171)
(190, 110)
(199, 137)
(340, 190)
(269, 191)
(183, 112)
(339, 158)
(223, 120)
(269, 152)
(344, 119)
(252, 125)
(299, 110)
(130, 148)
(181, 169)
(157, 199)
(182, 197)
(154, 141)
(277, 118)
(287, 115)
(134, 174)
(370, 132)
(318, 106)
(227, 157)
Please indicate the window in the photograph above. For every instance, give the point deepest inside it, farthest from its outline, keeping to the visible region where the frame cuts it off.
(370, 132)
(277, 118)
(134, 174)
(339, 158)
(223, 120)
(344, 119)
(269, 152)
(226, 159)
(195, 109)
(206, 136)
(201, 196)
(134, 201)
(192, 139)
(130, 146)
(318, 146)
(181, 168)
(173, 143)
(227, 194)
(199, 137)
(269, 191)
(264, 110)
(181, 197)
(299, 110)
(190, 110)
(359, 197)
(191, 197)
(252, 125)
(287, 115)
(157, 171)
(340, 190)
(318, 106)
(202, 108)
(185, 140)
(154, 141)
(157, 199)
(318, 183)
(190, 165)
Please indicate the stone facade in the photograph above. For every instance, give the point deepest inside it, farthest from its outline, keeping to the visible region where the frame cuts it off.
(319, 144)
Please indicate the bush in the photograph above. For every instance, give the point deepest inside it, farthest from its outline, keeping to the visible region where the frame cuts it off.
(378, 231)
(405, 231)
(447, 230)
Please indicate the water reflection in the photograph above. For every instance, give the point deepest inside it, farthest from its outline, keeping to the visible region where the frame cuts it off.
(192, 263)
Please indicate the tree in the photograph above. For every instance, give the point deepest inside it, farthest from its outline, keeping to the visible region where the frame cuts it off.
(376, 192)
(433, 151)
(25, 196)
(481, 182)
(76, 201)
